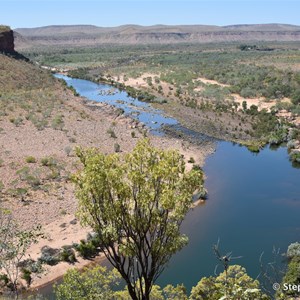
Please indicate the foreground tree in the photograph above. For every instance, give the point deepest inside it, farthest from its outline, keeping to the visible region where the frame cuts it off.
(91, 284)
(136, 205)
(233, 284)
(100, 283)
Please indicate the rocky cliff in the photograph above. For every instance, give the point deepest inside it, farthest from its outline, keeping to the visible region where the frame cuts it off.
(6, 39)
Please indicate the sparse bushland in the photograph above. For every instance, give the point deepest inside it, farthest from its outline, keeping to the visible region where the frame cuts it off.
(205, 84)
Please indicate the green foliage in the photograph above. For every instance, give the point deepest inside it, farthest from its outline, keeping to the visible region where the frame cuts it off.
(49, 161)
(87, 249)
(31, 265)
(4, 279)
(191, 160)
(16, 121)
(91, 284)
(4, 28)
(112, 133)
(67, 254)
(49, 256)
(265, 124)
(58, 122)
(295, 156)
(68, 150)
(14, 244)
(292, 277)
(157, 293)
(30, 159)
(31, 177)
(137, 202)
(296, 97)
(117, 147)
(26, 275)
(233, 285)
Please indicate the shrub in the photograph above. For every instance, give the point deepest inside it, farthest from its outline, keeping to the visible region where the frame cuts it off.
(88, 248)
(49, 256)
(292, 277)
(191, 160)
(55, 174)
(49, 161)
(32, 180)
(295, 156)
(117, 147)
(31, 265)
(133, 134)
(111, 132)
(30, 159)
(293, 250)
(4, 278)
(67, 254)
(68, 150)
(197, 168)
(58, 122)
(18, 121)
(72, 140)
(26, 275)
(291, 144)
(17, 192)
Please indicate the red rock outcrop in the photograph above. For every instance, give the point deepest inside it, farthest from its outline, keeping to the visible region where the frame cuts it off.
(6, 39)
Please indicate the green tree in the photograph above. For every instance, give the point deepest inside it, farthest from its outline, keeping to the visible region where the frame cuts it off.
(14, 242)
(95, 283)
(136, 205)
(168, 293)
(234, 285)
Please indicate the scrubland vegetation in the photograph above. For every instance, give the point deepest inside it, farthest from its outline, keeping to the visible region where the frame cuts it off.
(229, 91)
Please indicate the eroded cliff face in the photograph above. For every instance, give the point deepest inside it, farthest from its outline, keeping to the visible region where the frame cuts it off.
(6, 39)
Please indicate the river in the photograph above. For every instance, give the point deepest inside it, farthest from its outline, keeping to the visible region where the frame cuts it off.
(253, 203)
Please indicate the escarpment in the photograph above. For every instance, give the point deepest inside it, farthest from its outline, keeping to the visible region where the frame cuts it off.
(6, 39)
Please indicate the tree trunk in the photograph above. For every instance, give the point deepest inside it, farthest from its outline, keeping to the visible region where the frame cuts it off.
(132, 293)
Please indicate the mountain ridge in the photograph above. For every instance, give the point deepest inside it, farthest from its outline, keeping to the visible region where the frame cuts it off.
(90, 35)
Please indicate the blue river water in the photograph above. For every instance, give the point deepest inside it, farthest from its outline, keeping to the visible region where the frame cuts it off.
(253, 203)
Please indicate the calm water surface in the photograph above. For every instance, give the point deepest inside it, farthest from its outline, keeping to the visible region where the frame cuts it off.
(253, 204)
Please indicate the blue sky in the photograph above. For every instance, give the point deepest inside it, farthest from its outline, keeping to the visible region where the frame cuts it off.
(35, 13)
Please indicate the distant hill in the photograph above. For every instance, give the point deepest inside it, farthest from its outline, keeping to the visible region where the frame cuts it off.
(88, 35)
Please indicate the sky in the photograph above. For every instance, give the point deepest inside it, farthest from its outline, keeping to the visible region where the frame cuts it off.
(36, 13)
